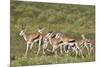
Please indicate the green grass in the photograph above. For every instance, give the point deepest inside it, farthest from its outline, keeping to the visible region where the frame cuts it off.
(72, 20)
(40, 60)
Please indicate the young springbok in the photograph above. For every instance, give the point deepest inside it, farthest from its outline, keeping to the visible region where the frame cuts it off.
(86, 43)
(31, 39)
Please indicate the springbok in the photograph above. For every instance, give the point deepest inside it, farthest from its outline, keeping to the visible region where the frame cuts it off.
(31, 39)
(71, 45)
(86, 43)
(47, 40)
(62, 41)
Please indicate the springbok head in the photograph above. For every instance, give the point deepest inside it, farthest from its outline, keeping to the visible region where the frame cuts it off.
(40, 29)
(22, 32)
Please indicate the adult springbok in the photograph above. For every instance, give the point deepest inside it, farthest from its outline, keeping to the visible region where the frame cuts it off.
(31, 39)
(47, 40)
(71, 45)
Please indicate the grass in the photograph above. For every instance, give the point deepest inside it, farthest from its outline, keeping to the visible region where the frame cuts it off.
(40, 60)
(71, 20)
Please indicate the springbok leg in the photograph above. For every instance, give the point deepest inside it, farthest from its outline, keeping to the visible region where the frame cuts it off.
(61, 49)
(54, 49)
(80, 50)
(31, 45)
(85, 44)
(27, 49)
(76, 51)
(39, 46)
(45, 46)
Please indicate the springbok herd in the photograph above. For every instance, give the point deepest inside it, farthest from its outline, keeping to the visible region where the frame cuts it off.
(57, 40)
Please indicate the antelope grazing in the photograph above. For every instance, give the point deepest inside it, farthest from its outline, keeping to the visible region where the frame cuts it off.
(86, 43)
(31, 39)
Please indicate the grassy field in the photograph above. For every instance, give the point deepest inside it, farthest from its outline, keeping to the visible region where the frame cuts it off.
(40, 60)
(71, 20)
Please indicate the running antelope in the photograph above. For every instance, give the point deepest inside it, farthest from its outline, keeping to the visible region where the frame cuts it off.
(31, 39)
